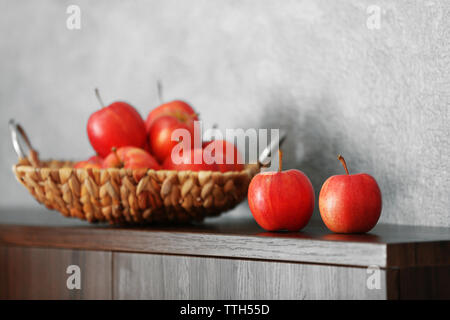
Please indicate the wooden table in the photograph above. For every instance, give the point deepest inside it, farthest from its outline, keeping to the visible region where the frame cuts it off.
(223, 258)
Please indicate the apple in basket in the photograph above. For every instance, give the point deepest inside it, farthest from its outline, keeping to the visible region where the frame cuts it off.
(160, 135)
(163, 120)
(192, 160)
(117, 125)
(282, 200)
(93, 162)
(225, 154)
(131, 158)
(178, 109)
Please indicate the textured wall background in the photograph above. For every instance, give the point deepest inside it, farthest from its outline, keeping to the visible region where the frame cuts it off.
(312, 67)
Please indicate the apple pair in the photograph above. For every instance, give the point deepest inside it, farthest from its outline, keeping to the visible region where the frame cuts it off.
(285, 201)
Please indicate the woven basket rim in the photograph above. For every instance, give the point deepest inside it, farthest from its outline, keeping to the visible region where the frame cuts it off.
(28, 168)
(134, 196)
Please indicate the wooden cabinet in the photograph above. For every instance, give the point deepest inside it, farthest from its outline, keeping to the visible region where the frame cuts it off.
(223, 259)
(41, 273)
(150, 276)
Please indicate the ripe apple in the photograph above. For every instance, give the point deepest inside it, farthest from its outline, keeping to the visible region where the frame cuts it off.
(281, 200)
(350, 203)
(187, 162)
(160, 135)
(96, 159)
(228, 156)
(87, 165)
(117, 125)
(130, 157)
(92, 162)
(178, 109)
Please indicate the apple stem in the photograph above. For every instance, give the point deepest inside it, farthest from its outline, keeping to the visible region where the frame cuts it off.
(280, 160)
(99, 98)
(342, 160)
(114, 150)
(159, 87)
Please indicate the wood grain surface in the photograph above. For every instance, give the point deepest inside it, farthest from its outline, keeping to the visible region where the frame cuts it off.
(202, 244)
(226, 258)
(385, 246)
(40, 273)
(150, 276)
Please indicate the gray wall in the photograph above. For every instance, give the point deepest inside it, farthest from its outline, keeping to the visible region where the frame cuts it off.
(379, 97)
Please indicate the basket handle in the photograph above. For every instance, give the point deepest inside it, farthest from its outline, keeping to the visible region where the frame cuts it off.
(274, 146)
(16, 132)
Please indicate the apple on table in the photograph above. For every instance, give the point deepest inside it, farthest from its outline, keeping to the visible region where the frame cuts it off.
(282, 200)
(350, 203)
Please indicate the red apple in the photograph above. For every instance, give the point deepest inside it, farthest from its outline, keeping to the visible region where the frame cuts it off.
(96, 159)
(116, 125)
(130, 157)
(160, 136)
(350, 203)
(92, 162)
(177, 108)
(228, 156)
(86, 165)
(281, 200)
(188, 163)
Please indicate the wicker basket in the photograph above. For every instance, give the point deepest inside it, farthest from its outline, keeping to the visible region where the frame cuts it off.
(126, 196)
